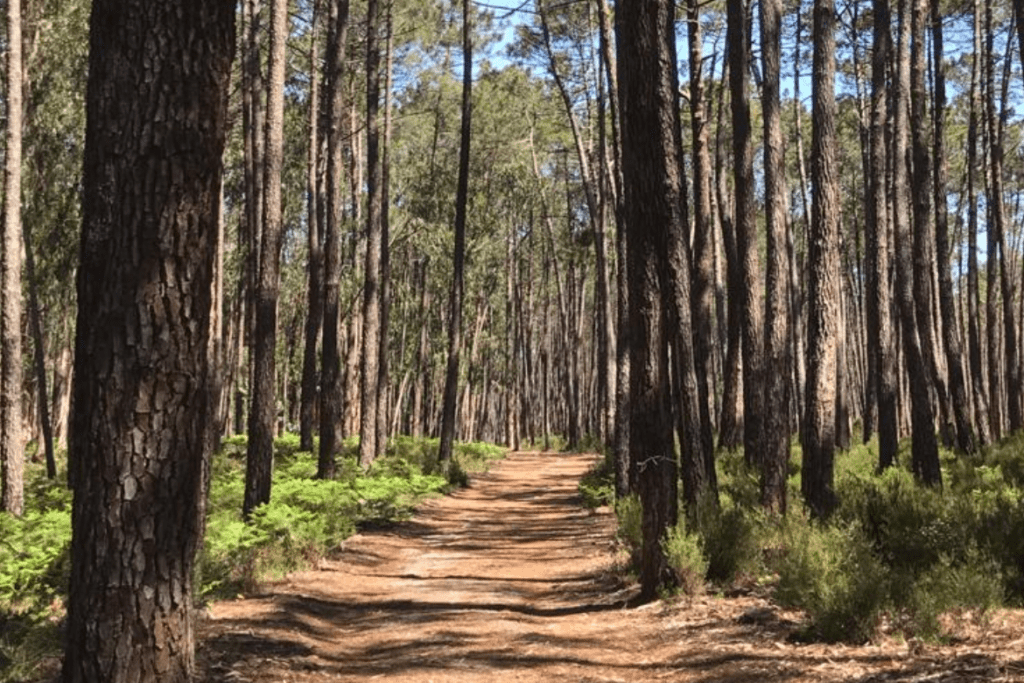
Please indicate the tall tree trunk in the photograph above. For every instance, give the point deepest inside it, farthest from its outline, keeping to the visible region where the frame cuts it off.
(950, 333)
(879, 247)
(974, 347)
(331, 380)
(371, 342)
(263, 409)
(12, 440)
(315, 291)
(776, 403)
(39, 355)
(921, 200)
(924, 449)
(144, 407)
(1011, 367)
(385, 237)
(648, 101)
(823, 296)
(752, 323)
(451, 379)
(703, 239)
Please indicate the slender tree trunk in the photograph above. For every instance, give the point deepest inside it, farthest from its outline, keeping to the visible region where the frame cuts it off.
(879, 246)
(263, 409)
(315, 291)
(371, 342)
(331, 380)
(1012, 369)
(39, 355)
(776, 402)
(974, 347)
(385, 237)
(451, 380)
(156, 120)
(924, 449)
(12, 440)
(703, 227)
(824, 297)
(950, 333)
(751, 322)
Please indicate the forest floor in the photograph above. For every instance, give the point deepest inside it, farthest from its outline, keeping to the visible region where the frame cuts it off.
(512, 580)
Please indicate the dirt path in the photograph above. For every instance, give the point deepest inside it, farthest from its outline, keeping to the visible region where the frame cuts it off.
(510, 580)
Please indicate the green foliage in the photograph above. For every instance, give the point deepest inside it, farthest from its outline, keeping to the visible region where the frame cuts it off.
(597, 485)
(833, 574)
(732, 542)
(686, 557)
(629, 513)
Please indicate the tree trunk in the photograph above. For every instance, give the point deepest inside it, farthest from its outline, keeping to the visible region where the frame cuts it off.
(776, 403)
(879, 247)
(331, 380)
(315, 291)
(648, 100)
(451, 379)
(924, 449)
(263, 408)
(143, 401)
(703, 227)
(12, 440)
(974, 347)
(751, 321)
(383, 367)
(369, 366)
(823, 295)
(950, 333)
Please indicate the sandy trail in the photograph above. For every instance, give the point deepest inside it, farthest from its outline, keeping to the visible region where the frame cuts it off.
(511, 580)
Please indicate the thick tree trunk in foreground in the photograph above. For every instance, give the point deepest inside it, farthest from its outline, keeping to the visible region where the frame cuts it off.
(823, 294)
(645, 32)
(143, 402)
(12, 441)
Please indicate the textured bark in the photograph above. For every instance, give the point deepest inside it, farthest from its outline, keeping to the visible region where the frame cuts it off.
(974, 347)
(952, 345)
(331, 381)
(259, 462)
(921, 201)
(371, 342)
(703, 226)
(751, 311)
(315, 288)
(648, 100)
(143, 416)
(451, 378)
(383, 367)
(924, 449)
(879, 247)
(775, 435)
(823, 295)
(12, 440)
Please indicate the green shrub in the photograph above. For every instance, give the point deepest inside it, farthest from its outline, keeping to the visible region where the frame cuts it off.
(732, 543)
(686, 558)
(597, 485)
(833, 574)
(629, 513)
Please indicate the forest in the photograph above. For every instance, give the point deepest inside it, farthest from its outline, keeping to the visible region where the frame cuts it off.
(279, 267)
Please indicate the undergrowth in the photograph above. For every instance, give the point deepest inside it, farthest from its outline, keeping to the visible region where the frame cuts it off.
(305, 519)
(895, 556)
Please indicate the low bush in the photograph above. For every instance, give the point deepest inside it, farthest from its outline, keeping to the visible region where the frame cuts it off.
(686, 558)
